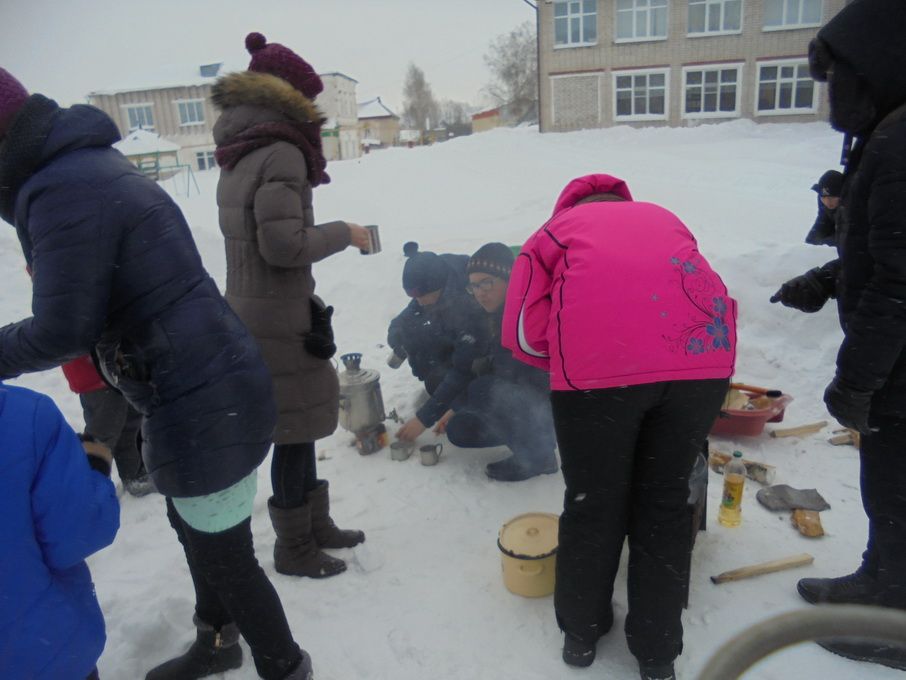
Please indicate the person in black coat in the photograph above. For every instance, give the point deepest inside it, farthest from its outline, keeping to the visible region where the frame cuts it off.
(116, 273)
(862, 55)
(508, 404)
(824, 230)
(442, 331)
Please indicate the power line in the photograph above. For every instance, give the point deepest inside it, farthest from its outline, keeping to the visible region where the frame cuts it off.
(529, 3)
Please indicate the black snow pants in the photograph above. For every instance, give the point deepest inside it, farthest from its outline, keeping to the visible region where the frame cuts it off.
(626, 455)
(113, 421)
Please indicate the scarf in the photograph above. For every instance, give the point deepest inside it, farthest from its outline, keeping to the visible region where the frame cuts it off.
(304, 136)
(20, 152)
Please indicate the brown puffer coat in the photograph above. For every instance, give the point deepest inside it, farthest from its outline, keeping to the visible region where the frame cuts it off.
(271, 238)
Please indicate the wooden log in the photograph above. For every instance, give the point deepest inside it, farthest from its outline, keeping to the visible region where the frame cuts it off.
(758, 472)
(808, 522)
(799, 431)
(764, 568)
(845, 436)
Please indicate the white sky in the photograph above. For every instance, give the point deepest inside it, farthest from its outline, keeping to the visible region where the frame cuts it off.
(67, 48)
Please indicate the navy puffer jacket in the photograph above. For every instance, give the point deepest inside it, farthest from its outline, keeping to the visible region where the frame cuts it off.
(116, 271)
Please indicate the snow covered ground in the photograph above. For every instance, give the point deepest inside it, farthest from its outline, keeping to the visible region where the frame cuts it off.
(423, 598)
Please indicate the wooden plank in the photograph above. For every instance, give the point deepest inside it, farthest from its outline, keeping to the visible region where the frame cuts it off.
(800, 431)
(758, 472)
(751, 570)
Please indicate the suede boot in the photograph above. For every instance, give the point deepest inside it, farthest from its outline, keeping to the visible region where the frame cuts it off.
(296, 553)
(327, 534)
(855, 588)
(303, 670)
(214, 651)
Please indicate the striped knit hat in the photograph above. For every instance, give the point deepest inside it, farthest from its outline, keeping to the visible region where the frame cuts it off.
(492, 258)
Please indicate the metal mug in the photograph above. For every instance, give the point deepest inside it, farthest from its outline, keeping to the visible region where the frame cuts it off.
(430, 453)
(401, 450)
(374, 240)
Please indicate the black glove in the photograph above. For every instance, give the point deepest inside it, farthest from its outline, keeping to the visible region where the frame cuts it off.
(848, 404)
(319, 340)
(807, 293)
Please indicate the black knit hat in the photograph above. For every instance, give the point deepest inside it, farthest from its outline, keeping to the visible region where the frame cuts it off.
(830, 184)
(424, 272)
(492, 258)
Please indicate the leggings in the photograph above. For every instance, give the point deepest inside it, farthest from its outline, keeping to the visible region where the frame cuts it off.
(294, 472)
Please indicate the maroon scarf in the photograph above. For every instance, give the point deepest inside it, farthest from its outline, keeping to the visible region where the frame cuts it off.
(304, 136)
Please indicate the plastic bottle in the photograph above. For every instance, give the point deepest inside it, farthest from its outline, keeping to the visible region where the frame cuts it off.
(730, 514)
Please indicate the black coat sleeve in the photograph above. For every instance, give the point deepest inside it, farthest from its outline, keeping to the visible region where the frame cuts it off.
(72, 262)
(876, 331)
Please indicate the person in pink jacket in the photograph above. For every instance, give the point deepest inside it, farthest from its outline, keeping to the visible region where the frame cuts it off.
(637, 332)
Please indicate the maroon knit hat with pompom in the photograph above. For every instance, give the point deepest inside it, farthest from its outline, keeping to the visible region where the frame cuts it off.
(280, 61)
(12, 97)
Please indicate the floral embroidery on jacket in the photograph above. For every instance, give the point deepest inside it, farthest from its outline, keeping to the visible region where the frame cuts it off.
(706, 328)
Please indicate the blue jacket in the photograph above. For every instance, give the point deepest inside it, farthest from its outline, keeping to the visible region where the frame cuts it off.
(56, 512)
(116, 271)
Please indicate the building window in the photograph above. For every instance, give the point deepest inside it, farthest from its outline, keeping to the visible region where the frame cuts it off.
(641, 20)
(205, 160)
(575, 22)
(640, 95)
(191, 112)
(711, 92)
(140, 116)
(786, 14)
(785, 87)
(575, 101)
(707, 17)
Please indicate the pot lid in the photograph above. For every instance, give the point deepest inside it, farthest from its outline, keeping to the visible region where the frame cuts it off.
(532, 536)
(362, 376)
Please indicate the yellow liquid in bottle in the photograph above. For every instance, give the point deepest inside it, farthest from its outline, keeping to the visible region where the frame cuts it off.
(730, 514)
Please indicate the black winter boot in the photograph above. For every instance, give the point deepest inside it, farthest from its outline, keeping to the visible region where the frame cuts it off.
(517, 469)
(296, 553)
(893, 656)
(855, 588)
(327, 534)
(214, 651)
(657, 671)
(303, 670)
(581, 654)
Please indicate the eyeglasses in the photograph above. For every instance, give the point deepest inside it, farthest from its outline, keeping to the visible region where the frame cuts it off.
(484, 286)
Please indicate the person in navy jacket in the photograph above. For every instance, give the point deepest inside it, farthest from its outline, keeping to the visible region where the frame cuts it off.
(58, 507)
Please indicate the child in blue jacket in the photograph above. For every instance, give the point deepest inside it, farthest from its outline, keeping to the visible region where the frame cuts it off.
(58, 507)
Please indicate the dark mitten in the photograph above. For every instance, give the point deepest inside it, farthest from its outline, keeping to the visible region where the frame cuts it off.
(319, 340)
(807, 292)
(848, 404)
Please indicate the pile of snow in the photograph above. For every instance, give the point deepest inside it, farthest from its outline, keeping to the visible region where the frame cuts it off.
(144, 143)
(423, 598)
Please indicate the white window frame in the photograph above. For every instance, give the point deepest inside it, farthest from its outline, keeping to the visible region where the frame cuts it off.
(143, 105)
(709, 4)
(779, 63)
(702, 68)
(649, 13)
(197, 105)
(793, 26)
(210, 161)
(582, 15)
(634, 117)
(575, 75)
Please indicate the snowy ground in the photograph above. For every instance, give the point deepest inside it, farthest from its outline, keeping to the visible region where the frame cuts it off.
(423, 598)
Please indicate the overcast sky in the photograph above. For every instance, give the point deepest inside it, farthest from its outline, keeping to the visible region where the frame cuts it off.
(67, 48)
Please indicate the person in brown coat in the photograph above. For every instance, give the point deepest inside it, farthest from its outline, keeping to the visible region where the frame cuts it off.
(269, 148)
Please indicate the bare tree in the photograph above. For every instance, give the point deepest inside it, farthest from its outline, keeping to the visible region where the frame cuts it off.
(419, 107)
(455, 117)
(513, 61)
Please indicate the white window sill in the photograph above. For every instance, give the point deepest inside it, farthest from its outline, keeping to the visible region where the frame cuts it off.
(790, 27)
(710, 115)
(626, 41)
(787, 112)
(711, 34)
(185, 125)
(639, 119)
(572, 45)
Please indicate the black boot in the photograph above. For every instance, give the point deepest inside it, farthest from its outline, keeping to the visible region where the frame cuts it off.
(581, 654)
(855, 588)
(327, 534)
(303, 670)
(214, 651)
(893, 656)
(296, 553)
(516, 468)
(657, 671)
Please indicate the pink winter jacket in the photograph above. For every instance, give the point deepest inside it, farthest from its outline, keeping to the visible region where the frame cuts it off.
(609, 294)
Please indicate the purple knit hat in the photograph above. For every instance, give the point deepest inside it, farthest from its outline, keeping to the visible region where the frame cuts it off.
(282, 62)
(12, 97)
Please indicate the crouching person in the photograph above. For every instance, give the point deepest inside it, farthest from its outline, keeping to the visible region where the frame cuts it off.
(638, 334)
(450, 336)
(58, 507)
(508, 404)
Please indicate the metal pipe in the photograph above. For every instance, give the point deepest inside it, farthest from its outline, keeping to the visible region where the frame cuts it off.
(744, 650)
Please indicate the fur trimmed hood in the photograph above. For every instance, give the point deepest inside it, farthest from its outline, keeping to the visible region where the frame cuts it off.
(265, 91)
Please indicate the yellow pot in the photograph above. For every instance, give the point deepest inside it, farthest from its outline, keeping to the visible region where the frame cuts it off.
(528, 546)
